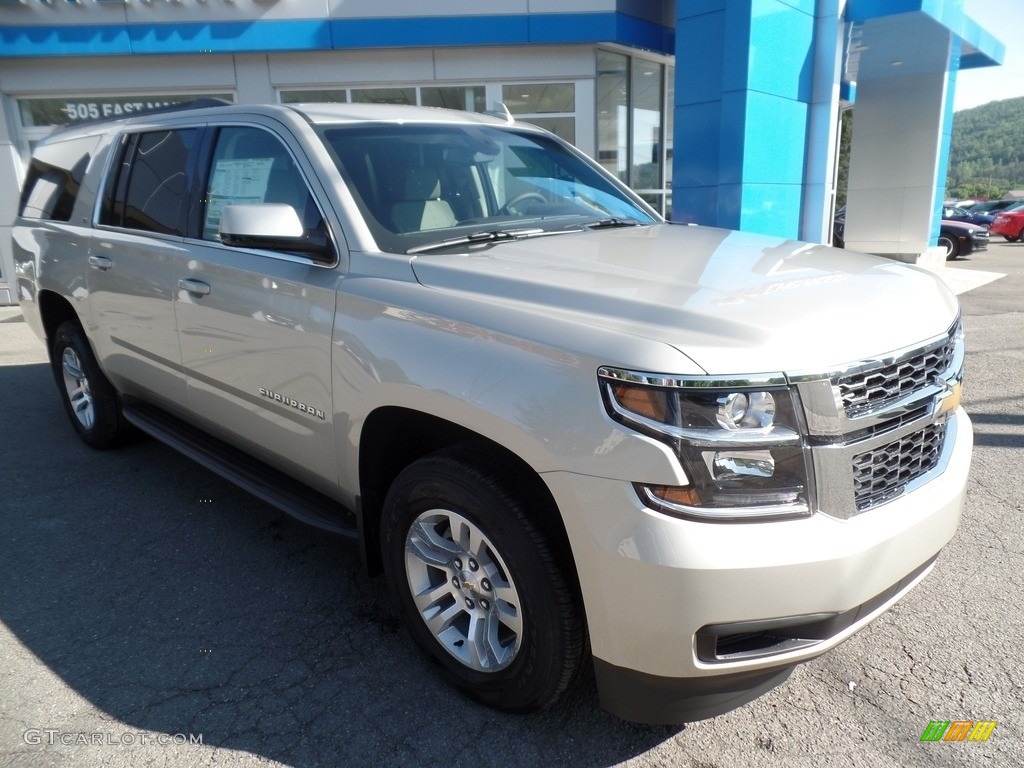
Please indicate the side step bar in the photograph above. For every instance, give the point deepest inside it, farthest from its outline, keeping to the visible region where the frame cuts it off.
(261, 480)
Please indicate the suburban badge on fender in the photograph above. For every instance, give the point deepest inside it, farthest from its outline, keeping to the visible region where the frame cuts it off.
(292, 402)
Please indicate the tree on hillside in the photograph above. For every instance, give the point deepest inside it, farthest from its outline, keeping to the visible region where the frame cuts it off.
(986, 156)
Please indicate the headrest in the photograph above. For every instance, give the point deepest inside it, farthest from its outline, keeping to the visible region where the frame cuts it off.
(422, 184)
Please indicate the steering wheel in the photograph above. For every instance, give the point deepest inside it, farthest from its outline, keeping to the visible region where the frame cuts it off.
(510, 206)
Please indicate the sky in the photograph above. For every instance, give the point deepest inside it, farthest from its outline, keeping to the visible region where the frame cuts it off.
(1004, 19)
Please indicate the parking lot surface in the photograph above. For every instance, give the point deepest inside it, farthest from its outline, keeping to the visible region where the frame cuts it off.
(152, 614)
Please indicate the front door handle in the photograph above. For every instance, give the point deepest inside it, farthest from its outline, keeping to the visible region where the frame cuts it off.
(100, 262)
(196, 287)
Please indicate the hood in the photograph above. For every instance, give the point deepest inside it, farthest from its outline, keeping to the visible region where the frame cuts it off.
(732, 302)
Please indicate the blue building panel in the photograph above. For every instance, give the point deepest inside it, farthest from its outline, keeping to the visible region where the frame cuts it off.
(810, 7)
(775, 139)
(697, 144)
(772, 209)
(255, 36)
(429, 32)
(765, 53)
(694, 205)
(700, 73)
(781, 58)
(228, 37)
(567, 28)
(86, 40)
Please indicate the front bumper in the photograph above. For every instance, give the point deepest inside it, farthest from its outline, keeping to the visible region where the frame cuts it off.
(974, 243)
(656, 588)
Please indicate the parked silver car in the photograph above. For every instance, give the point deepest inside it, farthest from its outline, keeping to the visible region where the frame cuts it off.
(571, 435)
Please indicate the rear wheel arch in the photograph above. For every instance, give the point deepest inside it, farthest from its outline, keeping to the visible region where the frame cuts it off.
(92, 404)
(55, 310)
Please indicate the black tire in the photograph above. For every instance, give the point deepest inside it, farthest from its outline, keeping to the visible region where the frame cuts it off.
(507, 629)
(89, 398)
(951, 245)
(1009, 239)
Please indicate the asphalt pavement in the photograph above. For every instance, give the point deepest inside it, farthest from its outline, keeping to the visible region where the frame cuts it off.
(151, 614)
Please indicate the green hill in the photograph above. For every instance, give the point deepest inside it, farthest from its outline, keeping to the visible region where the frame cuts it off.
(986, 157)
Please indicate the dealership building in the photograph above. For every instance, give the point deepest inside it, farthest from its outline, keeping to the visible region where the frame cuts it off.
(719, 112)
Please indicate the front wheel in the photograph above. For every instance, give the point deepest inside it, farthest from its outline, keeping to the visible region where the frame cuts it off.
(479, 585)
(1009, 239)
(88, 397)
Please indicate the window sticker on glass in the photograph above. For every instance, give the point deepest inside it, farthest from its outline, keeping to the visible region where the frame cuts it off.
(236, 181)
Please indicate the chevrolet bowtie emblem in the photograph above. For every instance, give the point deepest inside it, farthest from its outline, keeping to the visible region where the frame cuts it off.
(949, 400)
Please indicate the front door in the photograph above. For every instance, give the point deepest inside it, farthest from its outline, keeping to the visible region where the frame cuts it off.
(255, 326)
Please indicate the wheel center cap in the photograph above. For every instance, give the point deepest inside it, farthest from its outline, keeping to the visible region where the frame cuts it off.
(468, 583)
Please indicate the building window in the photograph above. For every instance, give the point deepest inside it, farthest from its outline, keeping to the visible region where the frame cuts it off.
(612, 116)
(48, 112)
(465, 97)
(634, 123)
(552, 106)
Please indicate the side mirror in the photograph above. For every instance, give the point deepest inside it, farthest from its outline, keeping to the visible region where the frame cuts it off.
(272, 227)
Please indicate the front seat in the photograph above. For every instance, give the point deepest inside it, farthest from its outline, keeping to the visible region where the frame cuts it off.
(422, 207)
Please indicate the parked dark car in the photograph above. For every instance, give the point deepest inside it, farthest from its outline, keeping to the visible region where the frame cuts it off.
(961, 238)
(992, 207)
(955, 213)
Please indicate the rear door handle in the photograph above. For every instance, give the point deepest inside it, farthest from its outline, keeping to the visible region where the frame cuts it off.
(196, 287)
(100, 262)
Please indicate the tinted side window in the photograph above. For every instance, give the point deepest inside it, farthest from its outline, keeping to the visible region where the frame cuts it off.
(148, 187)
(250, 165)
(54, 178)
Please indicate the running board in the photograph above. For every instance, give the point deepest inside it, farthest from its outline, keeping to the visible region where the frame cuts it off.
(260, 479)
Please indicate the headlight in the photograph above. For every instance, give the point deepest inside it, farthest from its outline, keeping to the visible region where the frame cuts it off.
(738, 441)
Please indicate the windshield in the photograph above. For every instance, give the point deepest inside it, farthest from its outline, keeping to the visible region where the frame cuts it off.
(418, 185)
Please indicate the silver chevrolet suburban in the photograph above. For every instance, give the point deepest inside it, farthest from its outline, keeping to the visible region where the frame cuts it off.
(572, 436)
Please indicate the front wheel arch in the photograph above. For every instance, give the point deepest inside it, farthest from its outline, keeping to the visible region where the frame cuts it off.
(393, 437)
(951, 245)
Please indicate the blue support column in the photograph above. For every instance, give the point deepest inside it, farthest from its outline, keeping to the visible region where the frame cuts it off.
(744, 84)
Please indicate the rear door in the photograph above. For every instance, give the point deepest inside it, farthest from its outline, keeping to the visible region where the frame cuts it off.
(255, 325)
(139, 238)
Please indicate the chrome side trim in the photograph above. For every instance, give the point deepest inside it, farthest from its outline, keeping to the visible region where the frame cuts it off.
(739, 382)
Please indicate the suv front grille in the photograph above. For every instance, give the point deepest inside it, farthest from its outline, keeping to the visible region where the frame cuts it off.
(870, 389)
(884, 473)
(880, 428)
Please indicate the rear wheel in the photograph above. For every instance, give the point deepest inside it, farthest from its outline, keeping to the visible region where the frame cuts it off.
(89, 398)
(951, 245)
(478, 583)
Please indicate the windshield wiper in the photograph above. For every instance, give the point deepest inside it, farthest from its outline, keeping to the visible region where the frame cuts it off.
(609, 223)
(489, 236)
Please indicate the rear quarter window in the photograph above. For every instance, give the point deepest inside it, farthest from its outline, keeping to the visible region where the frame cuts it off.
(55, 177)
